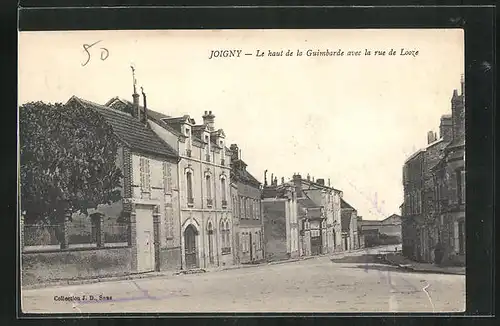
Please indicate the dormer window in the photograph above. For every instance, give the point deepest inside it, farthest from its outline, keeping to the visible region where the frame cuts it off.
(207, 148)
(222, 153)
(188, 142)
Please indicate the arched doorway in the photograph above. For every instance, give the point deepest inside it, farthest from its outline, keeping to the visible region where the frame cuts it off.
(190, 247)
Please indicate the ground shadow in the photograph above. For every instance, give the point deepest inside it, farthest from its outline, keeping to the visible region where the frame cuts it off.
(366, 258)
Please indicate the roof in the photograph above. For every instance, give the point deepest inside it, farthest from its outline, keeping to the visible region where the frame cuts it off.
(157, 117)
(130, 130)
(344, 204)
(241, 173)
(392, 216)
(307, 202)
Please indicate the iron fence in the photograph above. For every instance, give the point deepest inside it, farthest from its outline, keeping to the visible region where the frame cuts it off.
(42, 235)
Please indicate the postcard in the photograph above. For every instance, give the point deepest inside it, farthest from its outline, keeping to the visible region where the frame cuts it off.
(185, 171)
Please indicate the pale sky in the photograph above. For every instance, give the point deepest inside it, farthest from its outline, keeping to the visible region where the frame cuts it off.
(351, 119)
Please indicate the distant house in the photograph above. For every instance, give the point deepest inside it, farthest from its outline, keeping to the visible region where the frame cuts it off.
(349, 221)
(387, 230)
(281, 231)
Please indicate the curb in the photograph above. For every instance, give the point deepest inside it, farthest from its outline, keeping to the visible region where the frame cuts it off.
(424, 271)
(93, 280)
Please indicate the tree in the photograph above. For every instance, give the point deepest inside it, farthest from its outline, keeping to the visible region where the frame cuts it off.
(67, 161)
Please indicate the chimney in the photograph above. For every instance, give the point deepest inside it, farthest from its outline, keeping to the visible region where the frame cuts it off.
(320, 182)
(446, 128)
(282, 180)
(297, 181)
(431, 137)
(275, 181)
(308, 177)
(265, 178)
(328, 182)
(462, 84)
(234, 152)
(272, 179)
(135, 96)
(145, 113)
(312, 179)
(209, 120)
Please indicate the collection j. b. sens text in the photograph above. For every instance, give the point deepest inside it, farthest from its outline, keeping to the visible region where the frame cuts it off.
(238, 53)
(83, 298)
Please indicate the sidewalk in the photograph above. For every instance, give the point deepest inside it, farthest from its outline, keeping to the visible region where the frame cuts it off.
(402, 262)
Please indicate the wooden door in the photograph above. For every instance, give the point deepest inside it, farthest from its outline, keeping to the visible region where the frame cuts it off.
(190, 247)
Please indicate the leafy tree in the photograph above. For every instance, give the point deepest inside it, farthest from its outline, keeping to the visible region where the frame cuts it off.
(67, 161)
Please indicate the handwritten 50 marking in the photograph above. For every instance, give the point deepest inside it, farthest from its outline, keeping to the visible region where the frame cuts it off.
(104, 52)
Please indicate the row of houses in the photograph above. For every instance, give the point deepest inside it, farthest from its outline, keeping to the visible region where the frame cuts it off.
(188, 202)
(434, 192)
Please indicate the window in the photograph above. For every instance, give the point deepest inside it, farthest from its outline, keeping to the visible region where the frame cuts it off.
(241, 203)
(169, 216)
(419, 196)
(228, 237)
(225, 237)
(207, 148)
(461, 237)
(208, 186)
(222, 153)
(167, 175)
(145, 175)
(189, 187)
(257, 242)
(462, 187)
(223, 190)
(188, 142)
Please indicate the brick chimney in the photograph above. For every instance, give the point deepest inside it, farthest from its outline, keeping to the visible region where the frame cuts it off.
(446, 128)
(462, 85)
(431, 137)
(145, 112)
(135, 96)
(234, 152)
(297, 181)
(209, 120)
(320, 182)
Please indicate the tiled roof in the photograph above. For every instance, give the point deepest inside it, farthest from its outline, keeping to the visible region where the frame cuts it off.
(130, 130)
(157, 117)
(242, 174)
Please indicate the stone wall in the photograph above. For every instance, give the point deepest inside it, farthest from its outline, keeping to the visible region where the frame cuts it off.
(275, 237)
(41, 267)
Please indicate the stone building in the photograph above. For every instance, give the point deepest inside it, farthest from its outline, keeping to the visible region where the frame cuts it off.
(349, 222)
(319, 215)
(281, 225)
(434, 191)
(150, 201)
(247, 212)
(203, 174)
(450, 183)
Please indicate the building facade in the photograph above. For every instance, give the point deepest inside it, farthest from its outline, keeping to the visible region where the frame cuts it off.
(434, 191)
(349, 221)
(450, 186)
(150, 200)
(319, 216)
(281, 225)
(247, 211)
(203, 176)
